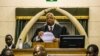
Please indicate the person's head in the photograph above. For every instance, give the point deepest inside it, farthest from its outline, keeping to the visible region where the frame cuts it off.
(39, 50)
(8, 52)
(8, 39)
(50, 18)
(92, 50)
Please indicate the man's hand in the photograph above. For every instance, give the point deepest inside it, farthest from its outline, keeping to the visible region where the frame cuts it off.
(40, 33)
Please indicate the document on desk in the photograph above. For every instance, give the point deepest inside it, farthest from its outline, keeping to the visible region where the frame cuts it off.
(47, 37)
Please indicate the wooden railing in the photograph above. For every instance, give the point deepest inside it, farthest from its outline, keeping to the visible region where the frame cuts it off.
(53, 52)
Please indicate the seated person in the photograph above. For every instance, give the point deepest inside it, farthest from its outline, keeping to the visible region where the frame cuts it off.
(9, 44)
(92, 50)
(39, 50)
(50, 26)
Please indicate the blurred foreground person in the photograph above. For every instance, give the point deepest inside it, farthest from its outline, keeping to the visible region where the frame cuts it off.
(39, 50)
(92, 50)
(8, 52)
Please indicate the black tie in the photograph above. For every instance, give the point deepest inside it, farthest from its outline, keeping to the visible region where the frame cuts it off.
(50, 28)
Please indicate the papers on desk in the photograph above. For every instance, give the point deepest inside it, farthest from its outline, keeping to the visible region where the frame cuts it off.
(48, 37)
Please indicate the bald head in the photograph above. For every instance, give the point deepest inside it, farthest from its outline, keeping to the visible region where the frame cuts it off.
(8, 52)
(92, 50)
(49, 14)
(39, 50)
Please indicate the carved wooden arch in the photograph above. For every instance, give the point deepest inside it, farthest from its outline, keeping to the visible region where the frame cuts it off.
(35, 18)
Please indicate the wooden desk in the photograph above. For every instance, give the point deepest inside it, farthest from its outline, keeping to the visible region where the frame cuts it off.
(47, 45)
(54, 51)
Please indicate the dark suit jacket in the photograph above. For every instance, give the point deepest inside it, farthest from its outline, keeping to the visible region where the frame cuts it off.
(3, 51)
(57, 31)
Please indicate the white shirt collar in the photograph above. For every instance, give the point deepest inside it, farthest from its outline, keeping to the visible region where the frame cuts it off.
(10, 47)
(51, 26)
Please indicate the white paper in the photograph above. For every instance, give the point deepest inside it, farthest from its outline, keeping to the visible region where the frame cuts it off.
(47, 37)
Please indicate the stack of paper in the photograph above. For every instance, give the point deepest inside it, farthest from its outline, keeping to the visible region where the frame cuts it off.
(48, 37)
